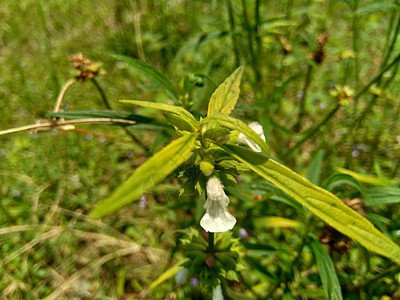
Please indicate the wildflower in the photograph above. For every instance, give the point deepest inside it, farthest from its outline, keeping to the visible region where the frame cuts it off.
(243, 233)
(217, 293)
(217, 217)
(181, 276)
(243, 139)
(194, 281)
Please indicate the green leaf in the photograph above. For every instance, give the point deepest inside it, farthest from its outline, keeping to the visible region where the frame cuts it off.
(376, 7)
(380, 196)
(187, 121)
(236, 124)
(224, 99)
(112, 114)
(275, 222)
(336, 180)
(150, 72)
(167, 275)
(378, 181)
(314, 169)
(327, 272)
(323, 204)
(147, 175)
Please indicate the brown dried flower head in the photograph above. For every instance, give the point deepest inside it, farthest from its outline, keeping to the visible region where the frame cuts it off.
(86, 68)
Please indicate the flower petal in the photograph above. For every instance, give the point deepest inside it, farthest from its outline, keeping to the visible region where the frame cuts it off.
(217, 218)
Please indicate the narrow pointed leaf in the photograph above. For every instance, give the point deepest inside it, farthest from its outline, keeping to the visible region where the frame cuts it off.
(150, 72)
(224, 99)
(236, 124)
(327, 272)
(186, 118)
(167, 275)
(314, 169)
(323, 204)
(147, 175)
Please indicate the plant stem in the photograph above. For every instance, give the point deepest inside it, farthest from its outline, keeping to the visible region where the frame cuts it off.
(211, 242)
(393, 42)
(393, 269)
(356, 122)
(302, 110)
(107, 104)
(46, 125)
(61, 95)
(102, 94)
(233, 28)
(311, 132)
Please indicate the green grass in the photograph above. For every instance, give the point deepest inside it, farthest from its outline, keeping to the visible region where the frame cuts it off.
(51, 180)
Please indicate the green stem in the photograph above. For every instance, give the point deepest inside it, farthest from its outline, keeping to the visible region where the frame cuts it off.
(355, 49)
(393, 42)
(102, 94)
(302, 110)
(107, 104)
(311, 132)
(391, 270)
(211, 242)
(233, 28)
(253, 61)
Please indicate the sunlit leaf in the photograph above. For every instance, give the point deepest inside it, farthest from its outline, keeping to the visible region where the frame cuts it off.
(327, 272)
(147, 175)
(276, 222)
(167, 275)
(236, 124)
(187, 119)
(224, 98)
(378, 181)
(323, 204)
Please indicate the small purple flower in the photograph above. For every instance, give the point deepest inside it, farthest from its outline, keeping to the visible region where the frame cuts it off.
(355, 147)
(194, 281)
(303, 65)
(239, 179)
(102, 139)
(143, 202)
(355, 153)
(322, 105)
(331, 84)
(300, 94)
(129, 154)
(398, 232)
(89, 137)
(54, 131)
(243, 233)
(16, 193)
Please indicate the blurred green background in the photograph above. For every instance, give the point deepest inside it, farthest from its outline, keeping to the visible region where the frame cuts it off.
(320, 76)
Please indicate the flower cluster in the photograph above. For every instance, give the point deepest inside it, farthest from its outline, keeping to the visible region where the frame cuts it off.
(217, 218)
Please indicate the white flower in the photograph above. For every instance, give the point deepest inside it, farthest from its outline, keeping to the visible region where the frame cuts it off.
(217, 293)
(217, 217)
(243, 139)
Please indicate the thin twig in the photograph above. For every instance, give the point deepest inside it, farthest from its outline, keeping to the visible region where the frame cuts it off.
(47, 125)
(61, 95)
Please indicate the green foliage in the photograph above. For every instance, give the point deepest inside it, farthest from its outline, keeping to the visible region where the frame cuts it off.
(313, 78)
(327, 271)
